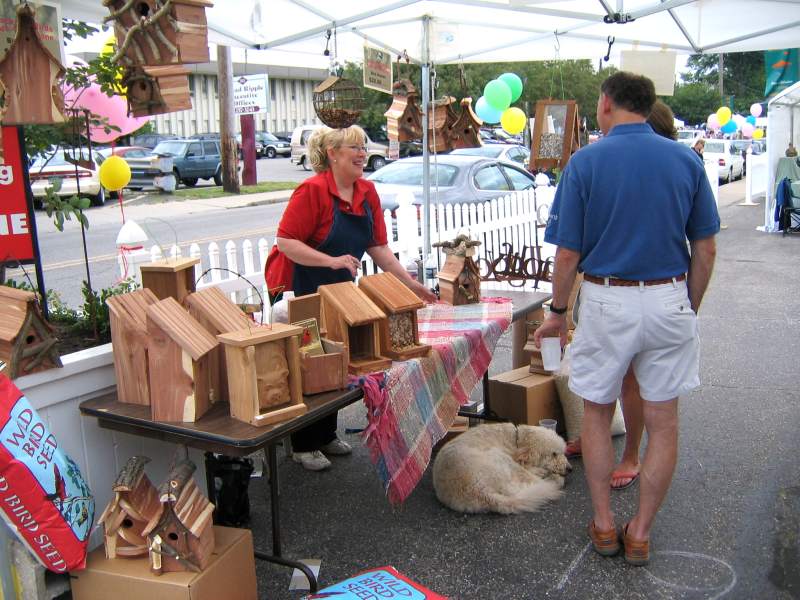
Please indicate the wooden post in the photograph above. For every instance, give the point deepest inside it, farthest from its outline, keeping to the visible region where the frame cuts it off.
(230, 175)
(248, 125)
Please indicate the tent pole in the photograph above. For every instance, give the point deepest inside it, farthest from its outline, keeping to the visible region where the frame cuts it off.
(426, 159)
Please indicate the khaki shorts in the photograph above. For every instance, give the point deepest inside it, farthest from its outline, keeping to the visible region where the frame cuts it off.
(652, 327)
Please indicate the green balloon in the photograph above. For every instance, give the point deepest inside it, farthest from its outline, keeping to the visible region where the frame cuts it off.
(514, 83)
(497, 94)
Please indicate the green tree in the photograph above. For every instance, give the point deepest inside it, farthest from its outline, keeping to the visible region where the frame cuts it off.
(693, 102)
(743, 78)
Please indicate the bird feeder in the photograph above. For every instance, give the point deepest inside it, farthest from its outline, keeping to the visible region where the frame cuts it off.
(157, 90)
(27, 341)
(399, 331)
(338, 102)
(555, 134)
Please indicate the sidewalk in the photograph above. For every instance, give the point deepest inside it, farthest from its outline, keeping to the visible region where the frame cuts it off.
(728, 529)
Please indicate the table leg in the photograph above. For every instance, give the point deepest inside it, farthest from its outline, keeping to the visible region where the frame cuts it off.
(487, 414)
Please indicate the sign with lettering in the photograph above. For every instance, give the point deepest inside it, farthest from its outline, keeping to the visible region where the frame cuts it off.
(16, 239)
(48, 25)
(378, 584)
(250, 94)
(377, 69)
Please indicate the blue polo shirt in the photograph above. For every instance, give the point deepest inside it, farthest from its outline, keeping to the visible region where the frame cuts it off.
(629, 202)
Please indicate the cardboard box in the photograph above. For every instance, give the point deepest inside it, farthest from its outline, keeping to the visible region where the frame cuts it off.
(525, 398)
(231, 575)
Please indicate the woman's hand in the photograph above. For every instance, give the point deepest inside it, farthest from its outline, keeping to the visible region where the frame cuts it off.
(345, 261)
(422, 291)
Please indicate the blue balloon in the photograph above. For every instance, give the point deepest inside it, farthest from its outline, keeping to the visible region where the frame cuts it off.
(486, 112)
(752, 120)
(729, 127)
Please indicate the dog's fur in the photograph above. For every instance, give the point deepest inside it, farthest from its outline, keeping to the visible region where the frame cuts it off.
(500, 468)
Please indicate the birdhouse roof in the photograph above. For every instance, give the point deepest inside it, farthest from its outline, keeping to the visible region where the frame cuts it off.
(329, 83)
(223, 314)
(132, 307)
(452, 268)
(259, 334)
(353, 304)
(181, 327)
(13, 310)
(389, 293)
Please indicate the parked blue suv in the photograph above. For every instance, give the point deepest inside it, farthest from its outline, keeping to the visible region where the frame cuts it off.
(193, 160)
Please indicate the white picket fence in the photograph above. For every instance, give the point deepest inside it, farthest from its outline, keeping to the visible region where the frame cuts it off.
(509, 221)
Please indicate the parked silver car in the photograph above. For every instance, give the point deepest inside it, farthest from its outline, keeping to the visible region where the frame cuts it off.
(507, 152)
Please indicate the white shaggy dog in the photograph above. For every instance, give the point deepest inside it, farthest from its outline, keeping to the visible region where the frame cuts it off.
(500, 468)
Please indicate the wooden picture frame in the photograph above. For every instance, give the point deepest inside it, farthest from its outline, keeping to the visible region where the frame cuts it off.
(555, 134)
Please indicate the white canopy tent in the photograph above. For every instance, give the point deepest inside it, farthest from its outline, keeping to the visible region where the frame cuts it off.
(783, 126)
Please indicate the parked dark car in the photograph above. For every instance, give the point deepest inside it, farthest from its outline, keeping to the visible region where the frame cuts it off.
(151, 140)
(284, 136)
(268, 145)
(193, 159)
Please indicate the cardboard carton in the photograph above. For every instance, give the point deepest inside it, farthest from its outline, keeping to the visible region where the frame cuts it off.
(230, 575)
(525, 398)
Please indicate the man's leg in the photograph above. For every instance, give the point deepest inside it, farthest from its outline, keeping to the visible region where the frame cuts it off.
(598, 459)
(661, 421)
(631, 402)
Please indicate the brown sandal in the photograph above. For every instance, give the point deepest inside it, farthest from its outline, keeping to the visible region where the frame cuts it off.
(637, 552)
(606, 543)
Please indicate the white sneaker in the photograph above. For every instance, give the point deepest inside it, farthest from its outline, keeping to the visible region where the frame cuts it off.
(313, 461)
(337, 448)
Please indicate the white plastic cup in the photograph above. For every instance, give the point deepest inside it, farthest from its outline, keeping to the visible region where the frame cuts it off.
(551, 353)
(548, 423)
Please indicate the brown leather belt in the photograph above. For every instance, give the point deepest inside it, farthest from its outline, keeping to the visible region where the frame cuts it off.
(632, 282)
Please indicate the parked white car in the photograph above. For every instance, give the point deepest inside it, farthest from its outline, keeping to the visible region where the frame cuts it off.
(46, 170)
(730, 164)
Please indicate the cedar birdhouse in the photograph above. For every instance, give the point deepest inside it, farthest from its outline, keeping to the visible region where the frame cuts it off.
(441, 118)
(181, 534)
(217, 314)
(464, 132)
(182, 381)
(460, 278)
(157, 90)
(399, 330)
(27, 342)
(170, 278)
(128, 317)
(353, 319)
(264, 384)
(29, 75)
(134, 505)
(159, 32)
(404, 117)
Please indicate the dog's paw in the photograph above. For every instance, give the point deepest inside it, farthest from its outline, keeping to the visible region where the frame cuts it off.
(558, 479)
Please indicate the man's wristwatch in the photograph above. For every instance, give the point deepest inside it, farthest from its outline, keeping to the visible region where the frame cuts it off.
(558, 311)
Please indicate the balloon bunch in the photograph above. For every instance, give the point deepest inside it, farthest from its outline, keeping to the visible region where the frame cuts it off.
(495, 104)
(726, 122)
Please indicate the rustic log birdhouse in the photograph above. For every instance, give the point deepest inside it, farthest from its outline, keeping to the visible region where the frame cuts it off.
(404, 117)
(555, 134)
(182, 381)
(157, 90)
(170, 278)
(217, 314)
(181, 535)
(353, 319)
(27, 342)
(29, 77)
(128, 317)
(464, 133)
(338, 102)
(264, 383)
(460, 277)
(134, 505)
(399, 330)
(440, 121)
(159, 32)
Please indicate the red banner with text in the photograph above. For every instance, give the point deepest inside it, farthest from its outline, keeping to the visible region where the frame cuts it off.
(16, 239)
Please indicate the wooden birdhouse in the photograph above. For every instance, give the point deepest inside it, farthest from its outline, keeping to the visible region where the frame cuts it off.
(399, 330)
(464, 133)
(27, 341)
(323, 371)
(159, 32)
(181, 535)
(128, 317)
(440, 121)
(157, 90)
(134, 505)
(217, 314)
(170, 278)
(555, 134)
(460, 277)
(353, 319)
(30, 77)
(182, 381)
(338, 102)
(264, 384)
(404, 117)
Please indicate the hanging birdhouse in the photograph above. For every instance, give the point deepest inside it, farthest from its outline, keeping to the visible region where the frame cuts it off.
(464, 133)
(159, 32)
(460, 277)
(440, 120)
(27, 342)
(555, 134)
(29, 77)
(157, 90)
(404, 117)
(338, 102)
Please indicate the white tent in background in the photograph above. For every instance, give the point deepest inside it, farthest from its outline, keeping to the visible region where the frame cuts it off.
(783, 126)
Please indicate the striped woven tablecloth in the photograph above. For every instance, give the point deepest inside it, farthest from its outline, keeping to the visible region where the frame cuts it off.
(411, 406)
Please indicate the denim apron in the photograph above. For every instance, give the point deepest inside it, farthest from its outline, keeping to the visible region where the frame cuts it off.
(349, 234)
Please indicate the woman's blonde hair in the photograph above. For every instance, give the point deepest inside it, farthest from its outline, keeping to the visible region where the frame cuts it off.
(325, 138)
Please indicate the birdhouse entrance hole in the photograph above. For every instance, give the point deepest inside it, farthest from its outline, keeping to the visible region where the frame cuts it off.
(143, 9)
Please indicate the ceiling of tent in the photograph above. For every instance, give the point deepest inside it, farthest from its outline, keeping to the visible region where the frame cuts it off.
(496, 30)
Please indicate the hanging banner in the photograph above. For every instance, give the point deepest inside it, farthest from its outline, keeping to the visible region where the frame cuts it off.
(782, 70)
(16, 238)
(377, 69)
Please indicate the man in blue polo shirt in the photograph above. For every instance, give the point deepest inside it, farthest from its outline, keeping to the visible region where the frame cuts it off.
(623, 212)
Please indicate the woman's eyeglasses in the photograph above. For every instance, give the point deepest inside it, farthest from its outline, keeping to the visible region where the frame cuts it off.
(355, 148)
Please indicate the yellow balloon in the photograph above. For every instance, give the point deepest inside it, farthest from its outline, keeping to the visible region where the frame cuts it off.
(512, 120)
(723, 115)
(758, 134)
(109, 48)
(114, 173)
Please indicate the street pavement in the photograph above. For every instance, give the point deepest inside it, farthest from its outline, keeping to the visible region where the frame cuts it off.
(730, 527)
